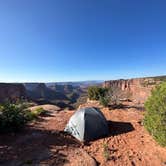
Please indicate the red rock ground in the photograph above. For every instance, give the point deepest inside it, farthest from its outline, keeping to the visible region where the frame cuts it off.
(44, 143)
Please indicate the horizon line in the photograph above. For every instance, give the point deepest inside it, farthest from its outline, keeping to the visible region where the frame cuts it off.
(95, 80)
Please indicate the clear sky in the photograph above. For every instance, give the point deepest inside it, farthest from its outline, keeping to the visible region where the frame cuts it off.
(71, 40)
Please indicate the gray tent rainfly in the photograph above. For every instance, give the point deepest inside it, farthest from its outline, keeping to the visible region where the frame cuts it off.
(87, 124)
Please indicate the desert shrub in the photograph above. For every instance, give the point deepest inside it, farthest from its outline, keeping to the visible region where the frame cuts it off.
(29, 115)
(12, 117)
(106, 153)
(104, 101)
(39, 111)
(32, 115)
(95, 92)
(155, 116)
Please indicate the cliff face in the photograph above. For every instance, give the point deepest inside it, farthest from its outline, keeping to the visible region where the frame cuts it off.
(12, 92)
(60, 95)
(136, 90)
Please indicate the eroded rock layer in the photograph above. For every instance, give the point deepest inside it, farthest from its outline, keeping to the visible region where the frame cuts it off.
(136, 90)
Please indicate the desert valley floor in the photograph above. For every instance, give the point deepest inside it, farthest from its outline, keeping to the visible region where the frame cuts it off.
(44, 143)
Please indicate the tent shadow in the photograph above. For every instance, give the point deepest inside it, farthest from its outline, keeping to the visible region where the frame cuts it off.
(116, 128)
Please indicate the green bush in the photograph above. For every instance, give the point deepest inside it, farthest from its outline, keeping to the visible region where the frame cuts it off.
(32, 115)
(155, 116)
(12, 117)
(39, 111)
(95, 92)
(104, 101)
(29, 115)
(106, 153)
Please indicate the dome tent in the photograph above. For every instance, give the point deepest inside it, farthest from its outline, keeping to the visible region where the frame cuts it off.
(87, 124)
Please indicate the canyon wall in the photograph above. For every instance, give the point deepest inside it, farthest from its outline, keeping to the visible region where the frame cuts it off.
(136, 90)
(12, 92)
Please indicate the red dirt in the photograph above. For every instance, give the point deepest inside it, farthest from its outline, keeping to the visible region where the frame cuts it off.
(130, 144)
(44, 143)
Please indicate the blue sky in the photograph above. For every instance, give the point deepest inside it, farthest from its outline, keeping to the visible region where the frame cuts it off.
(72, 40)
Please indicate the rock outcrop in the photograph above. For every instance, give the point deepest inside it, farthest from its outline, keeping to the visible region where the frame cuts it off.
(136, 90)
(12, 92)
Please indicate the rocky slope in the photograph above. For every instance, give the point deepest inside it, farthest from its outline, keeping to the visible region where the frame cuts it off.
(136, 90)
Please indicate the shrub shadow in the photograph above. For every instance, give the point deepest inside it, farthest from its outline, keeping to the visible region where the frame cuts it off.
(124, 106)
(36, 146)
